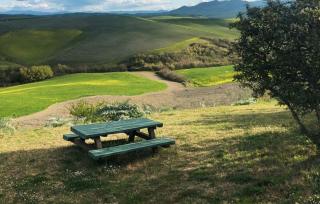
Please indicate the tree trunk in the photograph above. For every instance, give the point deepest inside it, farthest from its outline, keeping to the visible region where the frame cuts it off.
(313, 137)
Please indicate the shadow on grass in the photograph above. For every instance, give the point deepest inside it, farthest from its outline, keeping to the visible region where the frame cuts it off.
(267, 166)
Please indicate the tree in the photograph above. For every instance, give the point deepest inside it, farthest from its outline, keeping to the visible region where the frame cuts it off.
(279, 54)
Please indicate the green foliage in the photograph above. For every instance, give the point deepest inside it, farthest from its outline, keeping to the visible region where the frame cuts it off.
(6, 126)
(84, 111)
(105, 112)
(29, 98)
(203, 77)
(279, 54)
(119, 111)
(208, 52)
(171, 75)
(36, 73)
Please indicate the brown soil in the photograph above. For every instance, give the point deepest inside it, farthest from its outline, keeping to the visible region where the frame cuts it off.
(176, 96)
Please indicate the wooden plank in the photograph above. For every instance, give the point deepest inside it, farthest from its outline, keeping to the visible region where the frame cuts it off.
(96, 130)
(70, 137)
(122, 149)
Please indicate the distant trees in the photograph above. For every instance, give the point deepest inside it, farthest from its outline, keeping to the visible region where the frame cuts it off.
(279, 50)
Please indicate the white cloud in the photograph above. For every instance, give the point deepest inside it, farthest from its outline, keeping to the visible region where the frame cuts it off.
(94, 5)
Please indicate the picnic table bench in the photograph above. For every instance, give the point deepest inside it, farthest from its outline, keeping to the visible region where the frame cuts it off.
(131, 127)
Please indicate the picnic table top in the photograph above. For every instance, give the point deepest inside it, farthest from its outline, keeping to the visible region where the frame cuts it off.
(101, 129)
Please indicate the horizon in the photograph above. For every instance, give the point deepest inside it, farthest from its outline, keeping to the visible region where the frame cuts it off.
(94, 6)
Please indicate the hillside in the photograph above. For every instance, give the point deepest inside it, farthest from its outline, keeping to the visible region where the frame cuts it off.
(215, 9)
(247, 154)
(91, 38)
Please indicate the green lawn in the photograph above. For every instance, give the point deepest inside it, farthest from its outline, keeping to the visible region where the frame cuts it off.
(246, 154)
(30, 98)
(35, 46)
(202, 77)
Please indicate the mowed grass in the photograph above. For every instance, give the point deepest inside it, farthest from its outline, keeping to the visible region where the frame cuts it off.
(203, 77)
(247, 154)
(35, 46)
(29, 98)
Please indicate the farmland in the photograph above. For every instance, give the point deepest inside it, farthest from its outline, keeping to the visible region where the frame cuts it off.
(202, 77)
(29, 98)
(99, 39)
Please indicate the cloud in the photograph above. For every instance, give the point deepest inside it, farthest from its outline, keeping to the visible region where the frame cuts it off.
(94, 5)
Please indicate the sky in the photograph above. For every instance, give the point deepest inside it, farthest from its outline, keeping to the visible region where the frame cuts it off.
(93, 5)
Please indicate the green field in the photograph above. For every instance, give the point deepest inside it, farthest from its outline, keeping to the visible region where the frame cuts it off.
(104, 39)
(218, 28)
(29, 98)
(35, 46)
(247, 154)
(202, 77)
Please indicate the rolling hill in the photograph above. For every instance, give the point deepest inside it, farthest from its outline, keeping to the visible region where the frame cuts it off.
(96, 38)
(215, 9)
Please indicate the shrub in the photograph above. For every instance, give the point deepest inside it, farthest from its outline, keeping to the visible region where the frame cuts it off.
(6, 126)
(105, 112)
(119, 111)
(171, 76)
(62, 69)
(84, 111)
(36, 73)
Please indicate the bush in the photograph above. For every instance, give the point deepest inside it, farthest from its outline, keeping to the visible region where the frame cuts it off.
(84, 111)
(119, 111)
(105, 112)
(6, 126)
(171, 76)
(36, 73)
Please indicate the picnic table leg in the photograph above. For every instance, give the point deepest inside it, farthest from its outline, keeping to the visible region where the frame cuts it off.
(131, 136)
(98, 143)
(152, 135)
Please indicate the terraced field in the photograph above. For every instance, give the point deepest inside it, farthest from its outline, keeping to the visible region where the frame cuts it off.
(29, 98)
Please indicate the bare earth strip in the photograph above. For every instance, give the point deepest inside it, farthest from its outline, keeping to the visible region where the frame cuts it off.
(175, 96)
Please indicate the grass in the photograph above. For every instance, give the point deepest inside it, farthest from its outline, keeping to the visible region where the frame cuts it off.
(203, 77)
(35, 46)
(104, 39)
(176, 47)
(218, 28)
(242, 154)
(30, 98)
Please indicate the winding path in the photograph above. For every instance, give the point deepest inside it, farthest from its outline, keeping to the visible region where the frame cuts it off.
(175, 96)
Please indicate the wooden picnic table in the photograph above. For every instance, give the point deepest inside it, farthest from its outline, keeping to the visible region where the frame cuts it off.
(130, 127)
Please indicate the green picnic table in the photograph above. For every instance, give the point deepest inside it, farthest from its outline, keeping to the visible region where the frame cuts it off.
(131, 127)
